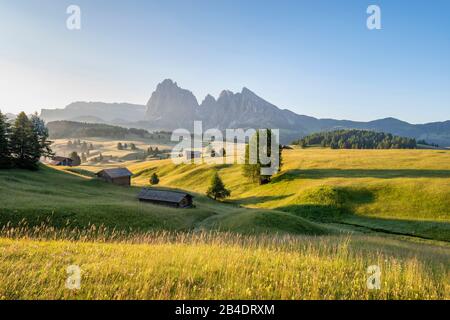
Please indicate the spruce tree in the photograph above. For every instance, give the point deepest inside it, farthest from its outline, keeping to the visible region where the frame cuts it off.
(217, 189)
(76, 160)
(5, 152)
(24, 143)
(252, 169)
(154, 180)
(42, 133)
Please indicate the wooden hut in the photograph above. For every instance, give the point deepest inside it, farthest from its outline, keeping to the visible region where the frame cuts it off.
(165, 197)
(118, 176)
(61, 161)
(191, 154)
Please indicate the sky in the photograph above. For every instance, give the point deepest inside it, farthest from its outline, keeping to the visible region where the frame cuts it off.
(316, 58)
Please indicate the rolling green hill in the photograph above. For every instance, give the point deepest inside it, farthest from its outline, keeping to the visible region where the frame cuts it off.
(286, 238)
(60, 199)
(319, 191)
(395, 191)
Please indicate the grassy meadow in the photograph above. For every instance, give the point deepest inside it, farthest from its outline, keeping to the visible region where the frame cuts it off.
(396, 191)
(309, 234)
(108, 148)
(220, 266)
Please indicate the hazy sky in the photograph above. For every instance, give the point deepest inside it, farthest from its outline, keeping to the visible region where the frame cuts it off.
(313, 57)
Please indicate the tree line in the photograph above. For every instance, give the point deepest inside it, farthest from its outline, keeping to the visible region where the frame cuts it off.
(65, 129)
(425, 143)
(357, 139)
(79, 145)
(23, 142)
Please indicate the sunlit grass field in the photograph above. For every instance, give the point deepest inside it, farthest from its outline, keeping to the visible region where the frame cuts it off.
(413, 184)
(217, 266)
(309, 234)
(398, 191)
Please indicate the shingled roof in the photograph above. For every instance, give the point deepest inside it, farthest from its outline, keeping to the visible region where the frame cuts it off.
(162, 195)
(116, 172)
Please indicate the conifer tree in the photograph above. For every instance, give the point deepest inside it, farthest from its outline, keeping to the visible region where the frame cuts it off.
(154, 180)
(5, 152)
(252, 169)
(217, 189)
(24, 143)
(41, 132)
(76, 160)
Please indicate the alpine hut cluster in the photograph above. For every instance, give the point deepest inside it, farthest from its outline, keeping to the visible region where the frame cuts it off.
(169, 198)
(61, 161)
(118, 176)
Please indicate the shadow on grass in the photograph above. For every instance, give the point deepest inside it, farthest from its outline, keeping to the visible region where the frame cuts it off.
(335, 205)
(360, 173)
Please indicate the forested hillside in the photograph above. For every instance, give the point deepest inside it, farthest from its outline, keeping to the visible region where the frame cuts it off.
(357, 139)
(71, 129)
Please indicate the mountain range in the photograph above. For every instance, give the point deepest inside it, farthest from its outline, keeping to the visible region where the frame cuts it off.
(171, 107)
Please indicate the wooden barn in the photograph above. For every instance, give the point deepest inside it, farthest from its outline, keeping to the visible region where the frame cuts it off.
(190, 154)
(168, 198)
(119, 176)
(61, 161)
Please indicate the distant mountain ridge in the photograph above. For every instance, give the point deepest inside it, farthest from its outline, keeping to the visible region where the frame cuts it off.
(171, 107)
(100, 112)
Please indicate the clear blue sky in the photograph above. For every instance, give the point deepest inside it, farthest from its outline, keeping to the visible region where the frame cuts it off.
(313, 57)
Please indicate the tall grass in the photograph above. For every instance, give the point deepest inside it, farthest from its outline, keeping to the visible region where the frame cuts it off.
(164, 265)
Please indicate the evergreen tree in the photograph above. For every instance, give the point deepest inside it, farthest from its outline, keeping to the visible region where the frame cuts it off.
(84, 147)
(217, 189)
(154, 180)
(5, 152)
(76, 161)
(133, 146)
(41, 132)
(24, 143)
(119, 146)
(253, 170)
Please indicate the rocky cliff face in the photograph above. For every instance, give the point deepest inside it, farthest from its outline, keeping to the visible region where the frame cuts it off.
(171, 107)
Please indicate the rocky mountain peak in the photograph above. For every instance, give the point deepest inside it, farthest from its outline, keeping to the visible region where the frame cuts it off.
(209, 100)
(225, 94)
(171, 106)
(167, 83)
(246, 91)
